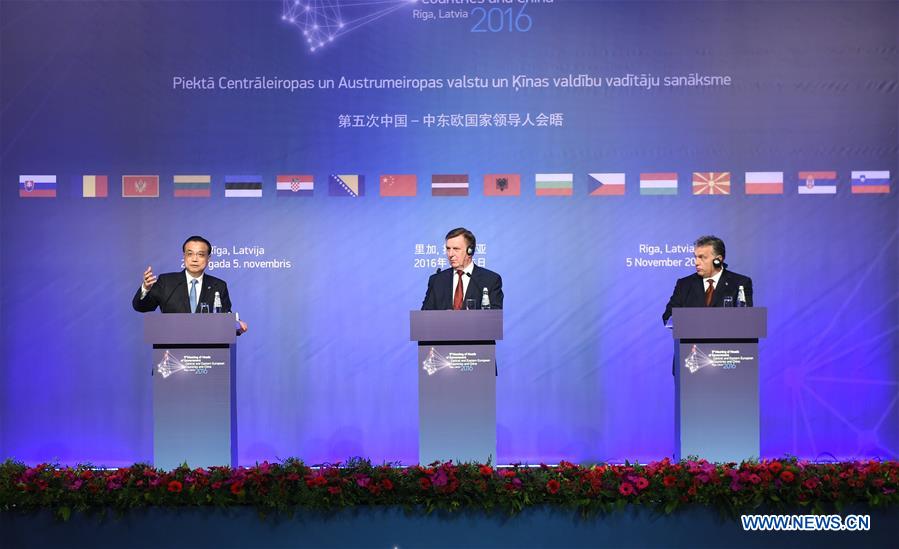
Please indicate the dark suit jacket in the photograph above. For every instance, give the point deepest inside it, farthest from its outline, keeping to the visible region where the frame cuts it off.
(440, 289)
(172, 295)
(690, 291)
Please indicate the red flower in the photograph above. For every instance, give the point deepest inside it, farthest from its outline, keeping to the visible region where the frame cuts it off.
(775, 467)
(486, 470)
(626, 489)
(810, 483)
(641, 483)
(553, 486)
(175, 486)
(425, 483)
(787, 476)
(334, 490)
(236, 487)
(387, 484)
(669, 481)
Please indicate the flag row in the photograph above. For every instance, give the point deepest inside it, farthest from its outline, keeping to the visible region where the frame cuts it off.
(545, 184)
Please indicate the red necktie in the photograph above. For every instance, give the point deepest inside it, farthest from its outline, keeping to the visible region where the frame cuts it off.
(457, 297)
(709, 293)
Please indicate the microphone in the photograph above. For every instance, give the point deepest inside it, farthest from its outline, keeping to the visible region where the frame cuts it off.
(468, 275)
(438, 270)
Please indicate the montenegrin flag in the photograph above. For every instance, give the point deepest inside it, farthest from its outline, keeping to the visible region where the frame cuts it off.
(658, 183)
(764, 182)
(140, 186)
(37, 186)
(870, 182)
(294, 185)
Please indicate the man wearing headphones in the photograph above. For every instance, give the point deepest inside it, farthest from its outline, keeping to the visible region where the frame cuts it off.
(464, 281)
(711, 282)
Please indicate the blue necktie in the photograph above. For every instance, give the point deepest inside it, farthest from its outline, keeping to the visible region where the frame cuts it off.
(193, 295)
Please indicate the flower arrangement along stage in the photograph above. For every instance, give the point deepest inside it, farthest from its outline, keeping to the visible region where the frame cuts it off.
(662, 486)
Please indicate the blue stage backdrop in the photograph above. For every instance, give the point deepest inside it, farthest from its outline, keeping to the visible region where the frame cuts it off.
(597, 141)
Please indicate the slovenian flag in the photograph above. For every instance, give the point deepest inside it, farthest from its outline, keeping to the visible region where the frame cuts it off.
(555, 184)
(870, 182)
(658, 183)
(817, 183)
(294, 185)
(606, 184)
(37, 186)
(764, 182)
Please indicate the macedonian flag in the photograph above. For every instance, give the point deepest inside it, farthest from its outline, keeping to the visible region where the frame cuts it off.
(711, 182)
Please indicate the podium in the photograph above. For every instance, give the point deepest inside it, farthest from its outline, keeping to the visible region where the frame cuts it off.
(717, 382)
(194, 412)
(456, 383)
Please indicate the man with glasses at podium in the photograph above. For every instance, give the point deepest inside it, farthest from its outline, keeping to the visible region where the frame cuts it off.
(188, 291)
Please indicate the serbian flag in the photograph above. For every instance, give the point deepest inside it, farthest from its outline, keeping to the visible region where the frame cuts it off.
(294, 185)
(817, 183)
(870, 182)
(94, 186)
(554, 184)
(193, 186)
(764, 182)
(399, 185)
(37, 186)
(502, 184)
(606, 184)
(449, 184)
(140, 186)
(711, 182)
(346, 185)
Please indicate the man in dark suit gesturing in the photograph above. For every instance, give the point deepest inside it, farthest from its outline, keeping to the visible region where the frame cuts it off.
(451, 288)
(711, 282)
(183, 292)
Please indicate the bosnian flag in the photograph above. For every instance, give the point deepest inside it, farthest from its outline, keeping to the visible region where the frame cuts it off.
(606, 184)
(870, 182)
(764, 182)
(294, 185)
(817, 183)
(346, 185)
(37, 186)
(658, 183)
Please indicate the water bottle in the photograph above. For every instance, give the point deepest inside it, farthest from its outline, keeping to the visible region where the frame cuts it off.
(741, 297)
(217, 303)
(485, 299)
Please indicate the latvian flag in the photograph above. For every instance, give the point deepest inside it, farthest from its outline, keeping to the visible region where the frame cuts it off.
(555, 184)
(764, 182)
(94, 186)
(658, 183)
(294, 185)
(817, 183)
(449, 184)
(193, 186)
(37, 186)
(606, 184)
(711, 182)
(346, 185)
(243, 186)
(870, 182)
